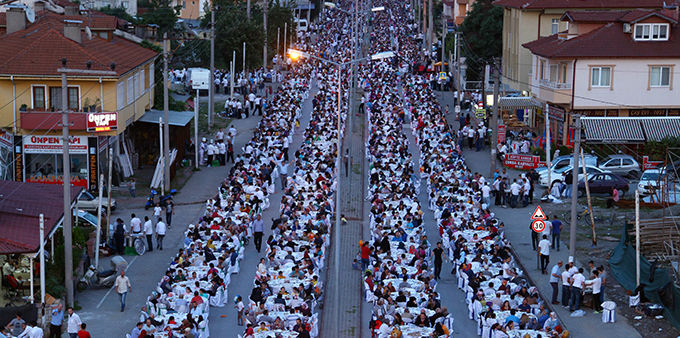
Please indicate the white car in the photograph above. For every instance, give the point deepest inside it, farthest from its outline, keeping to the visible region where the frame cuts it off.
(650, 180)
(90, 203)
(556, 175)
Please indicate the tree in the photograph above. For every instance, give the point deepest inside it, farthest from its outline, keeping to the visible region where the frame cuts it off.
(278, 16)
(482, 35)
(118, 12)
(161, 13)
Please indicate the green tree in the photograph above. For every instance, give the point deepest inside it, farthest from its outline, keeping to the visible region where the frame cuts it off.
(277, 18)
(161, 13)
(482, 34)
(118, 12)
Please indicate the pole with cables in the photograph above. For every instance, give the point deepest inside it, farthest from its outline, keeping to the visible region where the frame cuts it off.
(211, 86)
(336, 249)
(68, 246)
(166, 127)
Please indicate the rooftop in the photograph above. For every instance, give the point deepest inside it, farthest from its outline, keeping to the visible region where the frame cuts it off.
(585, 4)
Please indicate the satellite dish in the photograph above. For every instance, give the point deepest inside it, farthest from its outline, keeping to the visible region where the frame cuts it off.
(88, 32)
(30, 14)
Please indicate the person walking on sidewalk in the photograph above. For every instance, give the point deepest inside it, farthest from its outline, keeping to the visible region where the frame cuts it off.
(258, 231)
(132, 187)
(148, 231)
(555, 276)
(556, 230)
(438, 253)
(283, 173)
(73, 324)
(122, 286)
(160, 233)
(169, 211)
(544, 252)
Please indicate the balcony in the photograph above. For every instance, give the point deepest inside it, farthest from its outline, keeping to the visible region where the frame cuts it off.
(555, 85)
(45, 120)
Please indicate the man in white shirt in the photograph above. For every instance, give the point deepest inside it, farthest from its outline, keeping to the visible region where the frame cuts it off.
(135, 224)
(544, 252)
(219, 136)
(566, 286)
(232, 131)
(161, 228)
(514, 193)
(577, 284)
(555, 276)
(73, 323)
(508, 273)
(222, 149)
(122, 286)
(597, 288)
(211, 153)
(471, 138)
(148, 231)
(258, 105)
(486, 194)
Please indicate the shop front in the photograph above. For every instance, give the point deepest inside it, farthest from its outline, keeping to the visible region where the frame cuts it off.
(556, 118)
(42, 160)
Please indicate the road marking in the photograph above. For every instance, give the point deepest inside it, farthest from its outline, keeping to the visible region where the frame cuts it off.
(111, 289)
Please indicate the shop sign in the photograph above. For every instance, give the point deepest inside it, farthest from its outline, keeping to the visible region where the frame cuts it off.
(480, 113)
(57, 179)
(93, 178)
(501, 134)
(98, 122)
(54, 145)
(521, 161)
(6, 140)
(556, 113)
(600, 113)
(18, 160)
(647, 164)
(647, 112)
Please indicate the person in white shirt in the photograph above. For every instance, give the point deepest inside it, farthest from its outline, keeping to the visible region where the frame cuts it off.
(508, 273)
(566, 286)
(161, 228)
(577, 285)
(222, 149)
(486, 194)
(232, 131)
(471, 138)
(135, 224)
(597, 288)
(219, 136)
(258, 105)
(148, 231)
(544, 252)
(122, 287)
(514, 193)
(211, 153)
(73, 324)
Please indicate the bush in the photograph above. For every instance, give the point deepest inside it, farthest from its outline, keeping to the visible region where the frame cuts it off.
(54, 282)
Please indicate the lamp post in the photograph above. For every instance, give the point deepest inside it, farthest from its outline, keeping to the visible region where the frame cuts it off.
(294, 54)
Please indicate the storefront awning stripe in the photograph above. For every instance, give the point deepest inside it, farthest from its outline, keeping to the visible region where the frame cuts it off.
(520, 103)
(612, 130)
(176, 118)
(657, 129)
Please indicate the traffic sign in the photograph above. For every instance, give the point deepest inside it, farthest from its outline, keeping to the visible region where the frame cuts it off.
(480, 113)
(442, 75)
(538, 225)
(538, 214)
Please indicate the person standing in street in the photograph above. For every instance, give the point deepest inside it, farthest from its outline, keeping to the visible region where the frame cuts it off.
(83, 333)
(577, 284)
(157, 210)
(119, 236)
(438, 253)
(230, 151)
(566, 286)
(160, 233)
(258, 231)
(55, 322)
(169, 211)
(568, 180)
(135, 224)
(556, 230)
(514, 191)
(132, 187)
(283, 172)
(74, 322)
(534, 236)
(122, 286)
(544, 252)
(486, 194)
(222, 149)
(597, 288)
(148, 231)
(555, 275)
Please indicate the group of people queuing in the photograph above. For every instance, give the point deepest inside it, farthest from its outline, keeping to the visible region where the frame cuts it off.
(218, 151)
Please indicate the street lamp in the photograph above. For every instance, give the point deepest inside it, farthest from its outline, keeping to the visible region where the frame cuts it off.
(295, 54)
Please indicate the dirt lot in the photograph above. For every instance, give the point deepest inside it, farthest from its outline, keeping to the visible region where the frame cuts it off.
(609, 225)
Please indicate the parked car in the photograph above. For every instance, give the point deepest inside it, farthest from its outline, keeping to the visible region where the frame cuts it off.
(648, 180)
(86, 219)
(624, 165)
(560, 162)
(556, 175)
(604, 183)
(90, 203)
(197, 79)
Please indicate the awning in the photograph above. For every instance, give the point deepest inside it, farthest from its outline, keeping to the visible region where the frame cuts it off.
(613, 130)
(176, 118)
(304, 7)
(521, 102)
(658, 128)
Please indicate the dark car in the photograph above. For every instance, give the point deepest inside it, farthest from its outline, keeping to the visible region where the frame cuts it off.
(604, 183)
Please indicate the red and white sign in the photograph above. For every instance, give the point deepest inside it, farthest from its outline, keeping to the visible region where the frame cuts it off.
(501, 133)
(647, 164)
(538, 214)
(521, 161)
(6, 140)
(54, 145)
(102, 121)
(538, 225)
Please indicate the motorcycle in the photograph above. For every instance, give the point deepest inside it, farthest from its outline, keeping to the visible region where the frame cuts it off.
(163, 200)
(102, 278)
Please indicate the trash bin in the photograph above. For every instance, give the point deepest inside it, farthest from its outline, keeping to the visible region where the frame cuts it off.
(118, 263)
(609, 312)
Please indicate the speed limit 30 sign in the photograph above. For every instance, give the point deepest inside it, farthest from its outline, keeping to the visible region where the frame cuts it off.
(538, 225)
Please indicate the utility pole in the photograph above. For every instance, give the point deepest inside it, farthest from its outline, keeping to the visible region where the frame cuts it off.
(166, 127)
(459, 74)
(196, 144)
(547, 143)
(443, 47)
(244, 58)
(430, 28)
(574, 189)
(278, 41)
(265, 60)
(496, 113)
(211, 87)
(68, 237)
(285, 46)
(248, 10)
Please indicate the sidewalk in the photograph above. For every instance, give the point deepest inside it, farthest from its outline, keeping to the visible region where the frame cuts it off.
(517, 231)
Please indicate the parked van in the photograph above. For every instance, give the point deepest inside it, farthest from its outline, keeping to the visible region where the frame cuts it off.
(197, 79)
(302, 25)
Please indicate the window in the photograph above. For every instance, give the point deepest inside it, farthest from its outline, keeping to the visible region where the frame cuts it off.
(120, 95)
(126, 4)
(613, 163)
(55, 98)
(600, 76)
(151, 75)
(142, 80)
(73, 99)
(138, 86)
(656, 31)
(555, 26)
(660, 76)
(184, 5)
(627, 161)
(554, 75)
(130, 90)
(541, 70)
(39, 97)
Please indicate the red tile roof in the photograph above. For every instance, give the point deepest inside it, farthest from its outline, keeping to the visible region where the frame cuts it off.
(95, 20)
(590, 4)
(39, 48)
(20, 207)
(609, 41)
(592, 16)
